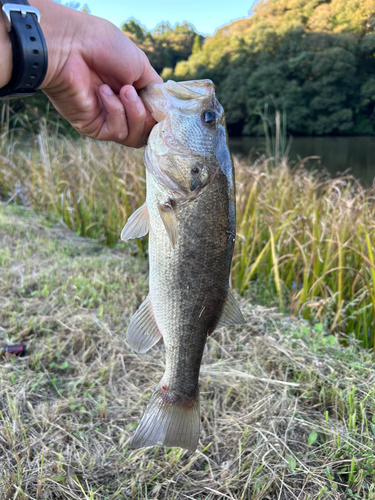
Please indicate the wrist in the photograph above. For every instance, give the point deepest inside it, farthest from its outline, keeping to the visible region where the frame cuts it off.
(24, 73)
(59, 26)
(6, 59)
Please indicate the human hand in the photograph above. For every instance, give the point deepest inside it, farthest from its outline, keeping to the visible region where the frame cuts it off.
(93, 73)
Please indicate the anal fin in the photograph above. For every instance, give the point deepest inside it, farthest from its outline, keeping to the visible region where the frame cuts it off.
(143, 331)
(137, 225)
(231, 314)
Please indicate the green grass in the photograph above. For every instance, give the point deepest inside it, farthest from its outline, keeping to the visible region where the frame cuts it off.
(287, 410)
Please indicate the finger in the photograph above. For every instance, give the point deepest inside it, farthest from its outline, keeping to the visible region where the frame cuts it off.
(149, 76)
(137, 117)
(114, 127)
(149, 123)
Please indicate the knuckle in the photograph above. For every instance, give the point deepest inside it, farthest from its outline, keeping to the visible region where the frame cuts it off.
(118, 110)
(85, 131)
(142, 113)
(122, 136)
(134, 143)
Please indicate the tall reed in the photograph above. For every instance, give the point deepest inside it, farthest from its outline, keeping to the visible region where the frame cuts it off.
(311, 239)
(92, 186)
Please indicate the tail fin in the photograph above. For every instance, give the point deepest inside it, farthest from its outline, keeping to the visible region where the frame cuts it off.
(169, 423)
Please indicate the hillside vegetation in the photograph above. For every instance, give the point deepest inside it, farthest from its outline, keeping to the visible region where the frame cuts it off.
(315, 59)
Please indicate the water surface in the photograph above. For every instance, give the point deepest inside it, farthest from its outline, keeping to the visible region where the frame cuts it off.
(337, 154)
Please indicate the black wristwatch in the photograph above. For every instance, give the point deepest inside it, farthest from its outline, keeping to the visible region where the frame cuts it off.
(30, 58)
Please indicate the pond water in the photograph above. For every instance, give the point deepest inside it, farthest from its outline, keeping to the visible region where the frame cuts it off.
(337, 154)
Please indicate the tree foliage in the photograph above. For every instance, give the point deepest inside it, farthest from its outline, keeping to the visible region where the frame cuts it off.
(314, 58)
(164, 46)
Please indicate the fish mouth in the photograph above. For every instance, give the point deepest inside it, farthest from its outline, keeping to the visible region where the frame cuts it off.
(159, 98)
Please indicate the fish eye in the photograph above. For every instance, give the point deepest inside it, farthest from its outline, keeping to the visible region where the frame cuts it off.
(209, 116)
(195, 171)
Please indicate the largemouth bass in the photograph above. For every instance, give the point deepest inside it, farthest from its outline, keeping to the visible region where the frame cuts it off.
(190, 215)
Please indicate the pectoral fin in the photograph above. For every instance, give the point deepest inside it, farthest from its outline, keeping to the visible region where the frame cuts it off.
(137, 225)
(231, 314)
(143, 331)
(169, 219)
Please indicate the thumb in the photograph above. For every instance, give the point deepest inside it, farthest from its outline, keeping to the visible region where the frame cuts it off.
(149, 76)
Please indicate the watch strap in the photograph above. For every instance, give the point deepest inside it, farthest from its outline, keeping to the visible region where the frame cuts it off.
(30, 59)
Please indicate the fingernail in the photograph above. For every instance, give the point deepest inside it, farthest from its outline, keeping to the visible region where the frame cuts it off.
(131, 95)
(107, 90)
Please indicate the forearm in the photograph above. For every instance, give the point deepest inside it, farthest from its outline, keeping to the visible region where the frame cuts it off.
(6, 62)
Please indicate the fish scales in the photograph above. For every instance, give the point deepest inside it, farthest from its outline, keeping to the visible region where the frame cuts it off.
(191, 227)
(187, 296)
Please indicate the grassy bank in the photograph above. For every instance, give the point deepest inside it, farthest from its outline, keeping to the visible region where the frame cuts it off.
(305, 239)
(287, 411)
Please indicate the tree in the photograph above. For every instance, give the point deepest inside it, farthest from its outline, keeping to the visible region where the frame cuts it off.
(133, 27)
(197, 45)
(164, 46)
(313, 58)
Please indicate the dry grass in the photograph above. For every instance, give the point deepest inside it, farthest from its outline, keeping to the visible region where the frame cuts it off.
(287, 412)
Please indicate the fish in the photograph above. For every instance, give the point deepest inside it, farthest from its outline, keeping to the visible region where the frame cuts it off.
(190, 215)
